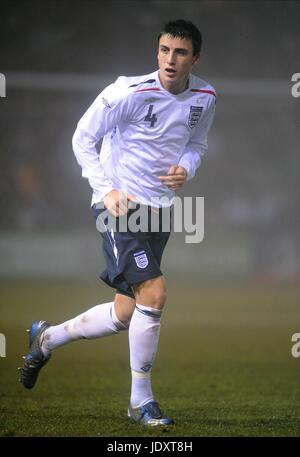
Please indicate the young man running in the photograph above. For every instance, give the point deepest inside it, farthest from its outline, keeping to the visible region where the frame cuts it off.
(154, 129)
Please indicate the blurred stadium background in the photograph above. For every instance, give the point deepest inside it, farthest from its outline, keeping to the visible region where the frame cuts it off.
(57, 56)
(243, 279)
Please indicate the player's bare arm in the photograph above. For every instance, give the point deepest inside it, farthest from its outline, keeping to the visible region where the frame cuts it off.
(175, 178)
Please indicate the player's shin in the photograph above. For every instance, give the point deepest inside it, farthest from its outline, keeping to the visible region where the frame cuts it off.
(96, 322)
(144, 333)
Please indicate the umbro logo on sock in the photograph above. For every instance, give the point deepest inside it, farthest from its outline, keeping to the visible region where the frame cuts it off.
(146, 368)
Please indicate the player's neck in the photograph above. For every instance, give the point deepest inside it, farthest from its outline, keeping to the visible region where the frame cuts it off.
(175, 88)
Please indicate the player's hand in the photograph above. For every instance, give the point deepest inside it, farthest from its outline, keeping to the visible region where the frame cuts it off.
(116, 202)
(175, 178)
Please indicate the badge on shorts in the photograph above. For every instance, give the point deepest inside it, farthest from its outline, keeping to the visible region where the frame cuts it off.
(195, 113)
(141, 259)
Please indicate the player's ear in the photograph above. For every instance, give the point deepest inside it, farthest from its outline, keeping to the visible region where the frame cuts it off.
(158, 52)
(196, 59)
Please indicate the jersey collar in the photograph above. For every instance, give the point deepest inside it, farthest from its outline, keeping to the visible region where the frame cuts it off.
(156, 74)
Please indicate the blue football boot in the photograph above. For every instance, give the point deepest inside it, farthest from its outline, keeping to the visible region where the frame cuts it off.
(149, 415)
(35, 359)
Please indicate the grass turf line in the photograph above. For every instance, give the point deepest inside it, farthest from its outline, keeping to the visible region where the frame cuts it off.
(224, 365)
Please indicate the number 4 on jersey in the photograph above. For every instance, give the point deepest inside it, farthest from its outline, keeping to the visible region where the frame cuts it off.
(151, 117)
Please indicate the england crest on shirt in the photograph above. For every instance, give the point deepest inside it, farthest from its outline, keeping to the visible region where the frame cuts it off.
(141, 259)
(194, 116)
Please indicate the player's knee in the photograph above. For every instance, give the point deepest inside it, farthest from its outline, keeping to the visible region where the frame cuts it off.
(124, 307)
(158, 299)
(152, 293)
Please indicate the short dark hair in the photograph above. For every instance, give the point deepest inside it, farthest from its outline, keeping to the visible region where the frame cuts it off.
(183, 29)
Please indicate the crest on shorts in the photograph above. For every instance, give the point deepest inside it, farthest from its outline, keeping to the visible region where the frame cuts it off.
(194, 116)
(141, 259)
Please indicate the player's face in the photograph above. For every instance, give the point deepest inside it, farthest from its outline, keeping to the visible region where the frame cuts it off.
(175, 60)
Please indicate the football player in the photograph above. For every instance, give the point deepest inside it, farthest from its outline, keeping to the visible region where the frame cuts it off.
(154, 129)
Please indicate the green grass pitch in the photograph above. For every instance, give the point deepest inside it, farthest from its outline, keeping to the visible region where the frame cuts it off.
(224, 365)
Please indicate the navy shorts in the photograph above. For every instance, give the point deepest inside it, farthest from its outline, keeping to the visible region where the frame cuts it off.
(132, 256)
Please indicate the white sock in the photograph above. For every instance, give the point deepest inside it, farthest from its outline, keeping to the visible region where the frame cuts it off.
(144, 332)
(141, 390)
(101, 320)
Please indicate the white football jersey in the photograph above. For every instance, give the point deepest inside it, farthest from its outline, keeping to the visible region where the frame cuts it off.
(145, 130)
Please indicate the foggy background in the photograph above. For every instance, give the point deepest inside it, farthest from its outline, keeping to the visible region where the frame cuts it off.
(58, 55)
